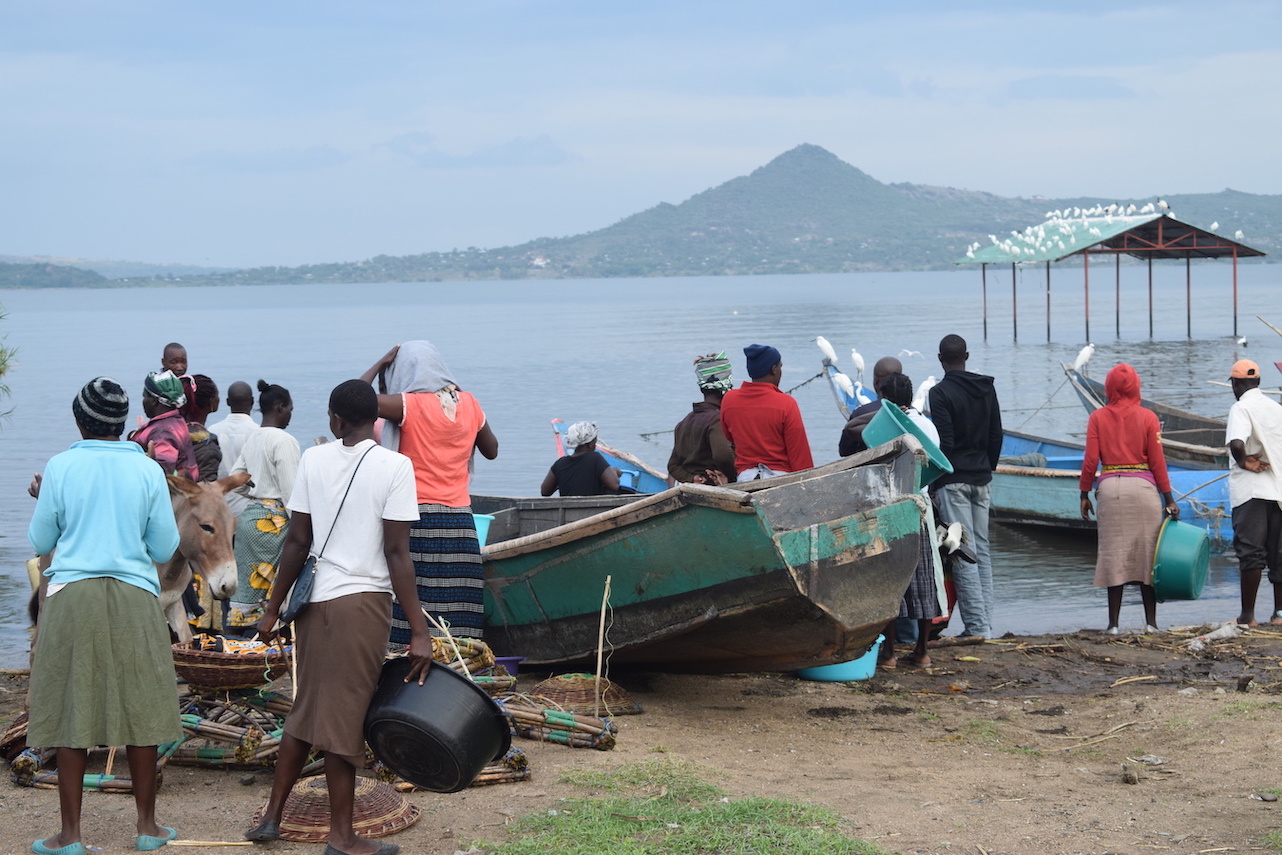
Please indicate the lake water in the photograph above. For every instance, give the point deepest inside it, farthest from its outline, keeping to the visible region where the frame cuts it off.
(618, 352)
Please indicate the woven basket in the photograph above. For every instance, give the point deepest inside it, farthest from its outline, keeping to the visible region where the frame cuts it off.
(378, 812)
(208, 669)
(576, 693)
(14, 740)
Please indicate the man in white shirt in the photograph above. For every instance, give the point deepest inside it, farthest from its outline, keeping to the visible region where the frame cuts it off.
(1254, 437)
(232, 433)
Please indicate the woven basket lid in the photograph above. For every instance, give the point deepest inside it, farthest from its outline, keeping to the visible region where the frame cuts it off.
(379, 811)
(576, 693)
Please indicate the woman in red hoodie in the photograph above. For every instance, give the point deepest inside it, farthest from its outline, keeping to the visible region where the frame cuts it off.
(1124, 439)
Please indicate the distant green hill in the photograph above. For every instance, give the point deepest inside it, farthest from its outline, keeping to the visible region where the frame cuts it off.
(806, 211)
(49, 276)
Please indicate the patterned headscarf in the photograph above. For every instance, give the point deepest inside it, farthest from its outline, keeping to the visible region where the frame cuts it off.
(164, 386)
(580, 433)
(712, 372)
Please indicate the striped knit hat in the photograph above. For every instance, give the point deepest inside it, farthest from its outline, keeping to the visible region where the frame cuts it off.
(101, 407)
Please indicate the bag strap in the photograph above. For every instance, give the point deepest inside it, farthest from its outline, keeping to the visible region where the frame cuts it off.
(344, 501)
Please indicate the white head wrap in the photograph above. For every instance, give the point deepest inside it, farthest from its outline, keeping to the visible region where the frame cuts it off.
(580, 433)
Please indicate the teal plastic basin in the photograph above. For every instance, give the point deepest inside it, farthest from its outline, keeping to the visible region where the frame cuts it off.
(482, 522)
(891, 422)
(856, 669)
(1180, 561)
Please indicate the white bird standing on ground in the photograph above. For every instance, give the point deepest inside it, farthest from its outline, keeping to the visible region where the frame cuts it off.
(857, 362)
(830, 355)
(1083, 356)
(921, 400)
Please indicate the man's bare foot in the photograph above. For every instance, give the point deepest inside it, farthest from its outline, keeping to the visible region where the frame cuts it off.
(1247, 620)
(919, 661)
(887, 664)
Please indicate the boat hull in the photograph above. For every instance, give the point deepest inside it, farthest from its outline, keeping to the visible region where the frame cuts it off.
(793, 572)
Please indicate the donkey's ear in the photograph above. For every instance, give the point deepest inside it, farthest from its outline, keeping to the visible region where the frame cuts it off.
(231, 482)
(179, 484)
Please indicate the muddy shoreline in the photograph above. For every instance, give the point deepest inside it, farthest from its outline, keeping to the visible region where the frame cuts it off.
(1064, 743)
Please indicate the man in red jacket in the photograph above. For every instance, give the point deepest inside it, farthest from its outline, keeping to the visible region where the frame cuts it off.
(763, 422)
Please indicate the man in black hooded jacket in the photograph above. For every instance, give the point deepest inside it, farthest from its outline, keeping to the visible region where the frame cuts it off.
(965, 411)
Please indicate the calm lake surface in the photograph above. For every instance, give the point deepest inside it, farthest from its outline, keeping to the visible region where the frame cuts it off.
(618, 352)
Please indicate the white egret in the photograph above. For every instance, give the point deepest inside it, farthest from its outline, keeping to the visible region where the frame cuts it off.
(860, 395)
(857, 362)
(921, 399)
(1161, 203)
(844, 384)
(906, 352)
(830, 355)
(1237, 235)
(1083, 356)
(1215, 225)
(1241, 340)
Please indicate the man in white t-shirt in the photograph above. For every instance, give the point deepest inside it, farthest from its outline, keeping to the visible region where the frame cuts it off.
(352, 506)
(1254, 437)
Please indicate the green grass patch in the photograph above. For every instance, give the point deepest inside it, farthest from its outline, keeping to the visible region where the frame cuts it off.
(664, 807)
(1273, 839)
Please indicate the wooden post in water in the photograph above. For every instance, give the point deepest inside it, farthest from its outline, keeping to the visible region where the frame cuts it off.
(1086, 289)
(983, 272)
(1014, 305)
(1235, 290)
(1048, 301)
(1150, 296)
(1188, 293)
(1117, 296)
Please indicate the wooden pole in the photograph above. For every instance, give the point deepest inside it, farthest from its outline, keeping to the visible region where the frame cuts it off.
(600, 647)
(1014, 305)
(983, 272)
(1048, 301)
(1117, 296)
(1086, 289)
(1188, 294)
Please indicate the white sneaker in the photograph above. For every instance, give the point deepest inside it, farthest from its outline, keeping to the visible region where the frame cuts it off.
(1114, 630)
(1150, 628)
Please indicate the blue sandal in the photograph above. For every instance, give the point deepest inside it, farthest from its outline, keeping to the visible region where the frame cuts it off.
(76, 848)
(146, 842)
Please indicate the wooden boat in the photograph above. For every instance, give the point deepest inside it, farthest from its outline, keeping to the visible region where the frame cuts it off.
(1188, 438)
(791, 572)
(1036, 483)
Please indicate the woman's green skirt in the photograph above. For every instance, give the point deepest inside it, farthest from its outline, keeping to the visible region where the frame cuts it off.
(103, 669)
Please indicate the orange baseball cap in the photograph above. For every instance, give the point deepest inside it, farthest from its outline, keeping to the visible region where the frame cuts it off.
(1245, 369)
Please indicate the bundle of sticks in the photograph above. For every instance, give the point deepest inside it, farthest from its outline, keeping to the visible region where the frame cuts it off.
(529, 720)
(238, 730)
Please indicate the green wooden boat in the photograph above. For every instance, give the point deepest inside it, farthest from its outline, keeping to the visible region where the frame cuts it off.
(775, 575)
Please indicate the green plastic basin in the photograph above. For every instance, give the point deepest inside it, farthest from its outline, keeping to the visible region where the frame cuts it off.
(1180, 561)
(891, 422)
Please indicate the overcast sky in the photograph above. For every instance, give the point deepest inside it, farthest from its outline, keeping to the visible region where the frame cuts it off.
(247, 133)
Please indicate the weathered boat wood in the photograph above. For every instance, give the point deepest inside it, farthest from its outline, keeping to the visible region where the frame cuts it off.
(1188, 438)
(1036, 483)
(791, 572)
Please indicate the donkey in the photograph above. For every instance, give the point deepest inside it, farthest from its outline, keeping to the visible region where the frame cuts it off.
(205, 529)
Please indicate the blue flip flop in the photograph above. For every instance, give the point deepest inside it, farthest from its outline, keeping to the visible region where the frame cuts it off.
(146, 842)
(76, 848)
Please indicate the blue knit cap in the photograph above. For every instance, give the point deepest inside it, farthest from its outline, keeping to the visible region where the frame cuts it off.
(761, 358)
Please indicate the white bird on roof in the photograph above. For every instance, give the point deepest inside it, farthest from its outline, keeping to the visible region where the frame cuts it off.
(1161, 203)
(830, 355)
(857, 362)
(920, 397)
(1147, 209)
(1215, 225)
(1130, 209)
(1083, 356)
(1237, 235)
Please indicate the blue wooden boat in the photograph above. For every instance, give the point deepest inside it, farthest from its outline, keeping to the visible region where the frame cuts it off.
(634, 475)
(1036, 484)
(1192, 440)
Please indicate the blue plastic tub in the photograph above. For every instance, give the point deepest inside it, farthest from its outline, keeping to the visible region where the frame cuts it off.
(891, 422)
(856, 669)
(482, 522)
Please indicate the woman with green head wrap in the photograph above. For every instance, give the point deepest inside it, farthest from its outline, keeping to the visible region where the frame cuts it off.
(165, 437)
(700, 452)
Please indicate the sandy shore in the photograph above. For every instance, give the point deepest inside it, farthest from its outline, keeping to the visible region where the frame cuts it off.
(1023, 745)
